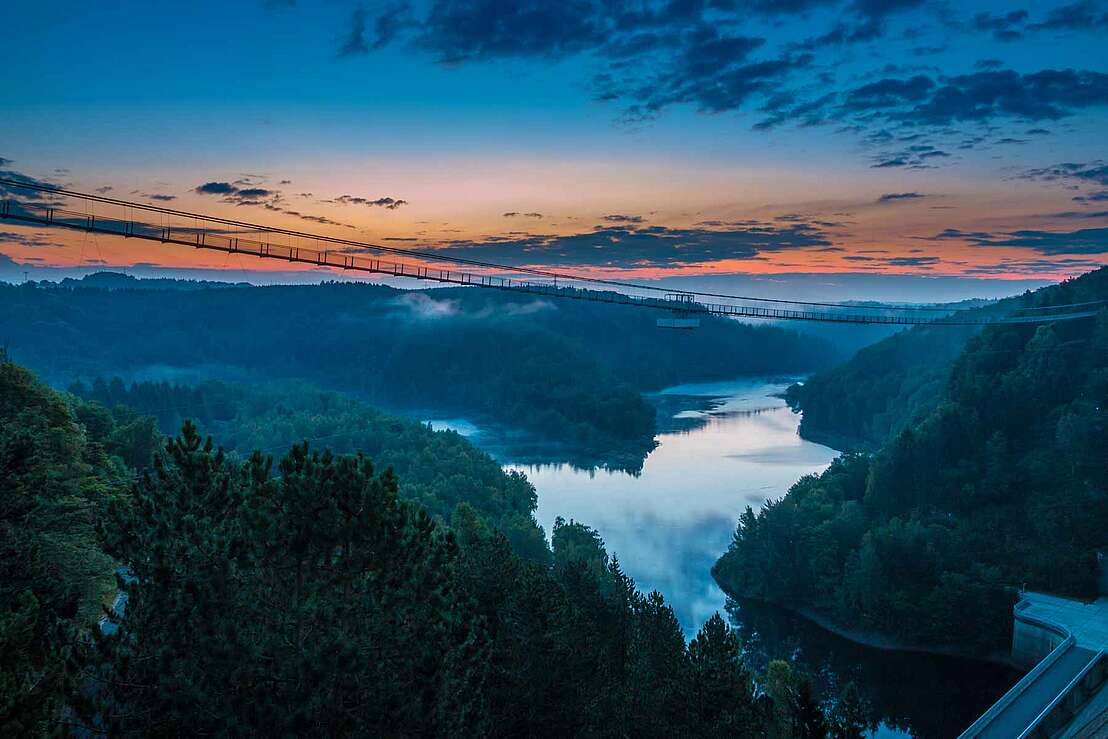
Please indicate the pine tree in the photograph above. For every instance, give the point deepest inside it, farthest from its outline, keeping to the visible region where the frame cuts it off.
(721, 687)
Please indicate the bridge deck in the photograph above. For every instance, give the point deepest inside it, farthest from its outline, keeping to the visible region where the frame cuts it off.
(140, 221)
(1088, 622)
(1018, 715)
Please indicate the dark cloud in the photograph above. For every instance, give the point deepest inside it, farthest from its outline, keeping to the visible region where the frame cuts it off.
(653, 54)
(104, 190)
(978, 97)
(884, 8)
(1048, 243)
(161, 197)
(5, 162)
(803, 114)
(1046, 95)
(620, 218)
(645, 246)
(41, 197)
(386, 202)
(988, 64)
(1086, 15)
(354, 43)
(916, 156)
(1008, 266)
(911, 261)
(36, 240)
(1095, 172)
(896, 197)
(322, 220)
(486, 29)
(1099, 196)
(888, 93)
(234, 194)
(954, 234)
(216, 188)
(1079, 214)
(1003, 26)
(513, 214)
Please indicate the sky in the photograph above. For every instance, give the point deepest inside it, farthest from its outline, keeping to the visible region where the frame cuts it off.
(721, 141)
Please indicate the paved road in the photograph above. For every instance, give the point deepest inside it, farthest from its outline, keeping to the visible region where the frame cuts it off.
(1018, 715)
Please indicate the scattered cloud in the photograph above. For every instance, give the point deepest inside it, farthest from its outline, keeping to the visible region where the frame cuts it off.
(13, 175)
(979, 97)
(390, 203)
(916, 156)
(896, 197)
(1049, 243)
(1095, 172)
(723, 56)
(216, 188)
(33, 240)
(1003, 26)
(1085, 15)
(354, 43)
(633, 246)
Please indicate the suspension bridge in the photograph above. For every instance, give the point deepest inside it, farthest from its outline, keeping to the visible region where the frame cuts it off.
(97, 214)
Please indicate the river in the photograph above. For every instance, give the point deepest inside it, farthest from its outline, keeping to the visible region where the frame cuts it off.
(721, 447)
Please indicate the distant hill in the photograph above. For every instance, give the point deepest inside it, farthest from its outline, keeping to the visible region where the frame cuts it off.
(121, 281)
(570, 371)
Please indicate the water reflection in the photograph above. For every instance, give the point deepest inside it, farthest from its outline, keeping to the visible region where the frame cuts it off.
(724, 446)
(910, 693)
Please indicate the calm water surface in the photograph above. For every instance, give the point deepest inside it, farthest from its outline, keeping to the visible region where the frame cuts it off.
(735, 445)
(724, 446)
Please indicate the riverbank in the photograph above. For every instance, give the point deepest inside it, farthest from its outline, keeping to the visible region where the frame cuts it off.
(877, 640)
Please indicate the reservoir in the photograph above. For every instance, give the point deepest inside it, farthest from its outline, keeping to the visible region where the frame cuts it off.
(721, 447)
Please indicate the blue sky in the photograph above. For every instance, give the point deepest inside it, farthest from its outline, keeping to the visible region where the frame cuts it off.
(718, 125)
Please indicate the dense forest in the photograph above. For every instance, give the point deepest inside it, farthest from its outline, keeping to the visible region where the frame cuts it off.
(438, 470)
(309, 596)
(1003, 482)
(566, 370)
(894, 382)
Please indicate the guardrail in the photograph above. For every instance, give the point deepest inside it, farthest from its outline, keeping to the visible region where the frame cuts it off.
(225, 236)
(1058, 711)
(1025, 682)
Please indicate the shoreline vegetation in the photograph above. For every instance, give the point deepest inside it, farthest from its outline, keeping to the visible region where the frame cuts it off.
(993, 475)
(883, 642)
(318, 580)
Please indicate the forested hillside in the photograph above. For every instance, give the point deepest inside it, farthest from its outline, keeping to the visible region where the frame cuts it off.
(1003, 483)
(565, 370)
(55, 474)
(899, 380)
(438, 470)
(308, 597)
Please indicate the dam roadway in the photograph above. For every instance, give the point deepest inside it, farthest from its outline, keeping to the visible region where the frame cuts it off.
(1065, 695)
